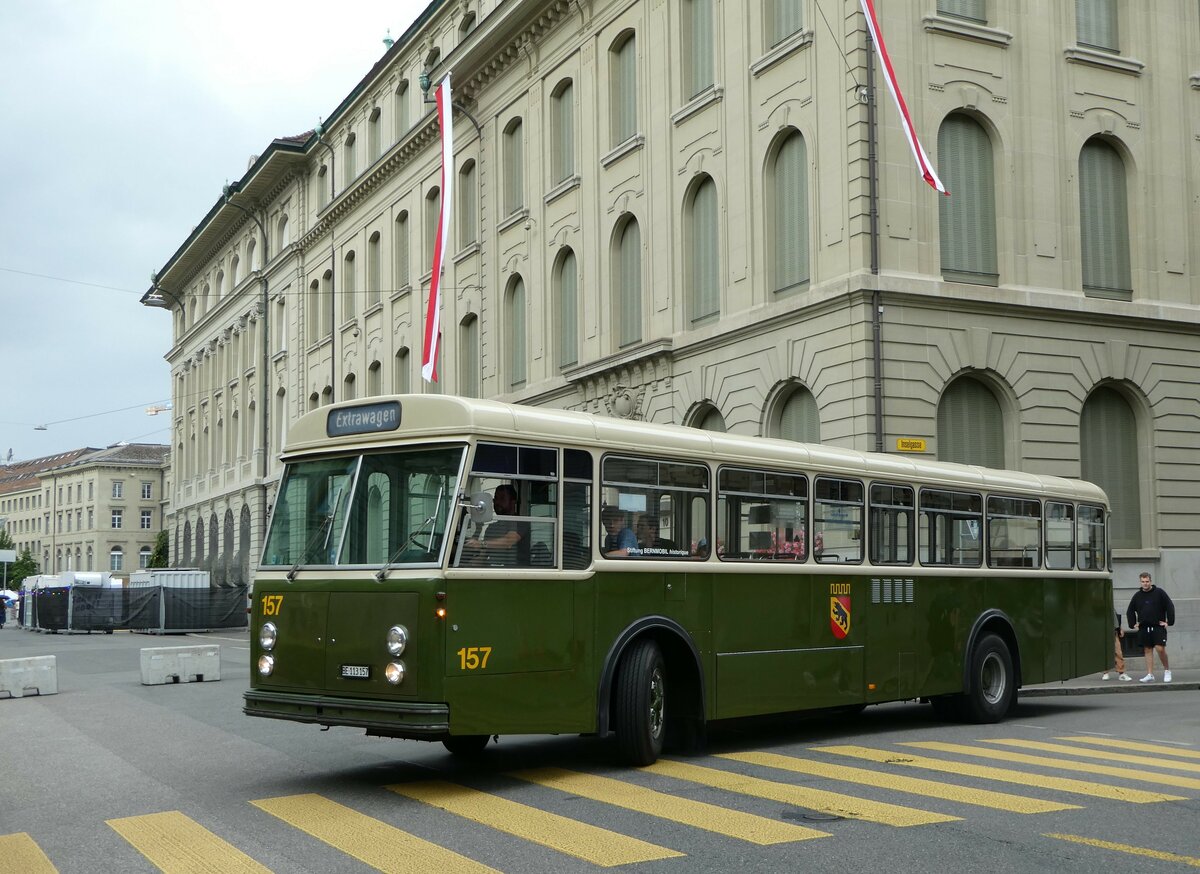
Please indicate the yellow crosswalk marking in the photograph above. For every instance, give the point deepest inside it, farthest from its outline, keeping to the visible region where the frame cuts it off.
(914, 785)
(1160, 749)
(19, 854)
(1140, 852)
(382, 846)
(596, 845)
(1003, 775)
(176, 844)
(800, 796)
(1062, 764)
(1127, 758)
(710, 817)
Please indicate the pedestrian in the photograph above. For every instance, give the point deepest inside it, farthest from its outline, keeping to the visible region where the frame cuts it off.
(1118, 656)
(1151, 611)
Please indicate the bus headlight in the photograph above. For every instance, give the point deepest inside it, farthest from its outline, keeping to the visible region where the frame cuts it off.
(267, 635)
(397, 639)
(266, 664)
(394, 673)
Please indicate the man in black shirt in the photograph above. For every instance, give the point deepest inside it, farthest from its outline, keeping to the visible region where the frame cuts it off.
(1150, 612)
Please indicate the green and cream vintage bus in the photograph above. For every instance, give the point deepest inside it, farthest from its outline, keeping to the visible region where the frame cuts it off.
(449, 569)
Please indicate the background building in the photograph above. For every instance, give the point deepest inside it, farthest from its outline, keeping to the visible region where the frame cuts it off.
(692, 211)
(21, 500)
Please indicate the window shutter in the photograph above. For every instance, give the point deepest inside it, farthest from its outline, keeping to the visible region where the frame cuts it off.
(624, 112)
(1103, 219)
(468, 378)
(704, 243)
(1096, 24)
(967, 219)
(798, 420)
(629, 315)
(568, 351)
(516, 334)
(1108, 455)
(701, 47)
(969, 425)
(564, 129)
(972, 10)
(786, 19)
(791, 213)
(402, 251)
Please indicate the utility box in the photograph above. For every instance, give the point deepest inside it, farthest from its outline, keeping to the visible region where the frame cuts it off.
(171, 578)
(180, 664)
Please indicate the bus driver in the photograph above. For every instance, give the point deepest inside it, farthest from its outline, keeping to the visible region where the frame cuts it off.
(505, 542)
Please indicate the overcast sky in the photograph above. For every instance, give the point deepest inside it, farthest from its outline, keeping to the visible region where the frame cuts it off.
(122, 120)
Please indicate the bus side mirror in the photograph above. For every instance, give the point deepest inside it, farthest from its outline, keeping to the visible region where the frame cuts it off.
(479, 506)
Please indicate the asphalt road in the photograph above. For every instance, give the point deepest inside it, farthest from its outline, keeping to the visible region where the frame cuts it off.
(113, 776)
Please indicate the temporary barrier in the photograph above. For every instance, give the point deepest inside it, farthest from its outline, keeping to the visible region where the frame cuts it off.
(37, 675)
(180, 664)
(150, 609)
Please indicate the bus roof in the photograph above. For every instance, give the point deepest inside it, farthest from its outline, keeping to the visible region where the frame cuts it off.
(447, 417)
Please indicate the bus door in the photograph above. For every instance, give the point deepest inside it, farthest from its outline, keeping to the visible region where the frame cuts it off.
(510, 623)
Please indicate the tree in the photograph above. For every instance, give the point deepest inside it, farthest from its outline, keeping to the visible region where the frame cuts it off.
(24, 566)
(161, 555)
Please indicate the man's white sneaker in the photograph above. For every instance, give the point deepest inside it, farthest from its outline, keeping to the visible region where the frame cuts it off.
(1106, 677)
(1166, 676)
(1149, 678)
(1125, 677)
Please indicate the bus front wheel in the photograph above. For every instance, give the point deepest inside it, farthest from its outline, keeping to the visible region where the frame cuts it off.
(993, 685)
(640, 706)
(466, 745)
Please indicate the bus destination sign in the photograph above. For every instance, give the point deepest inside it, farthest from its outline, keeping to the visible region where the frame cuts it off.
(364, 419)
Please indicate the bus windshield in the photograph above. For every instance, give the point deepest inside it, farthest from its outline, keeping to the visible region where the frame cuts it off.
(388, 508)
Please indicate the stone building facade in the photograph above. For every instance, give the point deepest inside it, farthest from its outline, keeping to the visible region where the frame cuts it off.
(701, 212)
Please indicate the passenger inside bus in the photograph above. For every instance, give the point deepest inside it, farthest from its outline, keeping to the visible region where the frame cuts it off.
(619, 538)
(503, 542)
(647, 534)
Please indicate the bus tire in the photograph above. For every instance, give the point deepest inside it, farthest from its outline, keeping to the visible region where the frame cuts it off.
(640, 706)
(466, 745)
(992, 686)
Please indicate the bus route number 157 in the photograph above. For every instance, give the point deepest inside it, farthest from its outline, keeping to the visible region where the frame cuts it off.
(272, 605)
(471, 658)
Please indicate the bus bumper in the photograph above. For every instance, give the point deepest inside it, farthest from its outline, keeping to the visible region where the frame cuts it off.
(386, 718)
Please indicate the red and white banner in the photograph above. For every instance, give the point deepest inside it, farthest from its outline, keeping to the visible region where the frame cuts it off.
(433, 310)
(923, 163)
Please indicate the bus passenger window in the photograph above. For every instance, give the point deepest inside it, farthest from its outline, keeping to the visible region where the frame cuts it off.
(1091, 539)
(837, 521)
(1060, 536)
(654, 509)
(950, 525)
(761, 515)
(891, 524)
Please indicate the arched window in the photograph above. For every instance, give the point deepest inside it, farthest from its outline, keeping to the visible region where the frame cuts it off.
(566, 286)
(312, 312)
(400, 252)
(349, 287)
(1104, 221)
(375, 379)
(144, 557)
(468, 356)
(322, 184)
(349, 162)
(374, 139)
(282, 235)
(116, 559)
(787, 194)
(374, 271)
(234, 262)
(697, 46)
(514, 168)
(251, 254)
(244, 544)
(433, 205)
(623, 88)
(466, 25)
(280, 422)
(562, 132)
(798, 417)
(970, 425)
(968, 218)
(348, 387)
(783, 18)
(314, 401)
(703, 244)
(627, 276)
(710, 419)
(1108, 450)
(219, 285)
(514, 323)
(401, 103)
(401, 372)
(468, 220)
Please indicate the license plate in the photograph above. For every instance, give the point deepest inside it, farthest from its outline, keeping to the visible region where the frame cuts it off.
(356, 672)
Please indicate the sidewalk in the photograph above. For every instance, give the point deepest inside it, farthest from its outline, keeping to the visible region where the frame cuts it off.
(1183, 680)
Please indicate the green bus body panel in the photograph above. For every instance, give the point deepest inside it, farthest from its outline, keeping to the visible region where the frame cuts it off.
(766, 642)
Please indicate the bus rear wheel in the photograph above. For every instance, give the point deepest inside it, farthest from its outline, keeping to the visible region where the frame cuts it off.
(640, 707)
(993, 683)
(466, 745)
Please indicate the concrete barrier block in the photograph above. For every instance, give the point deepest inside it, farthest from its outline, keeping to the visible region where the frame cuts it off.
(180, 664)
(37, 675)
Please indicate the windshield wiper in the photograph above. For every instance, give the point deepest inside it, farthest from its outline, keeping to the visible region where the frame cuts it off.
(431, 521)
(323, 531)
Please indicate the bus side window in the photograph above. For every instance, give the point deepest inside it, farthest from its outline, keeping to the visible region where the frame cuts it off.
(577, 509)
